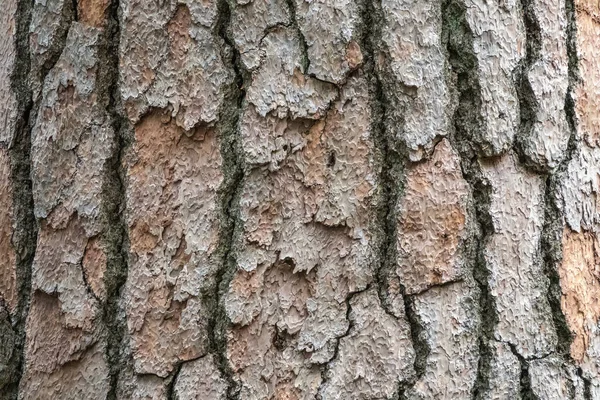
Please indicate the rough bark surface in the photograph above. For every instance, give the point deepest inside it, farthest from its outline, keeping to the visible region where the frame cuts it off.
(294, 200)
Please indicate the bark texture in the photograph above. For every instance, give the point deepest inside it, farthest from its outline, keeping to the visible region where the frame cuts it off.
(294, 200)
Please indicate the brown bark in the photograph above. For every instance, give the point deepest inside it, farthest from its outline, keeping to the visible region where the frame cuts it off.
(289, 199)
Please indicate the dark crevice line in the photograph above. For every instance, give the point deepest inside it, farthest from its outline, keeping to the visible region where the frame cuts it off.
(551, 241)
(468, 123)
(25, 235)
(391, 176)
(26, 232)
(574, 75)
(528, 105)
(551, 251)
(75, 10)
(115, 236)
(420, 345)
(293, 23)
(229, 194)
(384, 224)
(587, 385)
(38, 73)
(525, 379)
(86, 281)
(481, 191)
(291, 6)
(387, 114)
(554, 223)
(551, 236)
(336, 350)
(171, 385)
(436, 285)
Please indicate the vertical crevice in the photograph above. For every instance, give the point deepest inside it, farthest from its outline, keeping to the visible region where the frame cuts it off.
(420, 345)
(587, 386)
(467, 124)
(387, 114)
(291, 6)
(27, 80)
(551, 242)
(26, 230)
(115, 237)
(38, 72)
(524, 379)
(481, 193)
(74, 10)
(551, 249)
(336, 350)
(229, 193)
(391, 175)
(171, 386)
(551, 239)
(528, 105)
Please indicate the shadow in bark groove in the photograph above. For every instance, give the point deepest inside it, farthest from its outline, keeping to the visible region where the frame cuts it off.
(467, 125)
(114, 202)
(229, 193)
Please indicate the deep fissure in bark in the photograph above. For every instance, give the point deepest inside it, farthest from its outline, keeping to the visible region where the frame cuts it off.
(587, 385)
(528, 105)
(67, 17)
(229, 194)
(574, 80)
(391, 178)
(113, 202)
(524, 378)
(387, 115)
(551, 249)
(467, 123)
(25, 235)
(419, 342)
(294, 24)
(173, 380)
(553, 220)
(336, 350)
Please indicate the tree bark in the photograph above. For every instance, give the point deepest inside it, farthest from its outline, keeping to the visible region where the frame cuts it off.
(289, 199)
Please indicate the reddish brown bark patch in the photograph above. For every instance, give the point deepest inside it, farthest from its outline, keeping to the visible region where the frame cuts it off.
(588, 92)
(8, 278)
(580, 281)
(432, 221)
(92, 12)
(94, 267)
(173, 177)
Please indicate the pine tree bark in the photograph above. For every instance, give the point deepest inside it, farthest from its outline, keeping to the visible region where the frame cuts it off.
(289, 199)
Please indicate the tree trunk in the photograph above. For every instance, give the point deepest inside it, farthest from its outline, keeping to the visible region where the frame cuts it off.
(290, 199)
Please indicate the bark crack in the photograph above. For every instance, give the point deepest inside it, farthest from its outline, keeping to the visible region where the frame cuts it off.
(393, 158)
(325, 369)
(528, 105)
(292, 9)
(525, 379)
(420, 344)
(229, 193)
(294, 23)
(114, 203)
(551, 240)
(68, 16)
(171, 386)
(391, 175)
(467, 122)
(25, 235)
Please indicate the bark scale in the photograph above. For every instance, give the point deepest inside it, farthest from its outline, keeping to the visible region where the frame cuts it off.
(282, 199)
